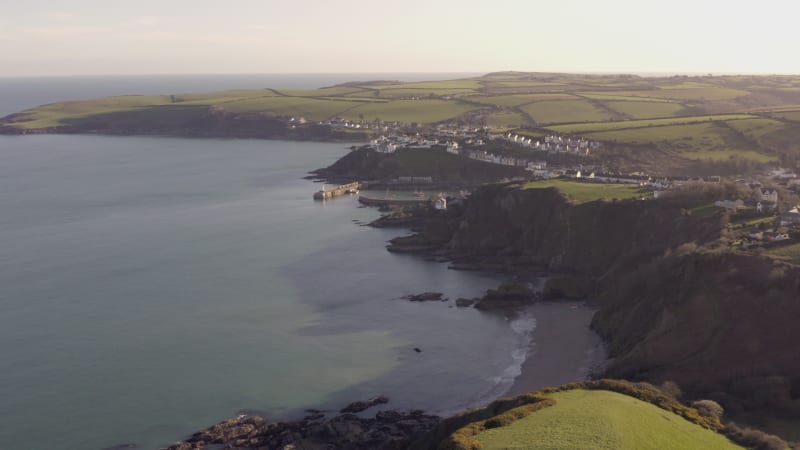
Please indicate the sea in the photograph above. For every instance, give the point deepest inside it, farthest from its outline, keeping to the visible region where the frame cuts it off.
(152, 286)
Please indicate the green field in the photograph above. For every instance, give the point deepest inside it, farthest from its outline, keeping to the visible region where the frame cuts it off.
(584, 192)
(519, 99)
(506, 119)
(214, 97)
(604, 126)
(623, 98)
(756, 128)
(408, 92)
(420, 111)
(793, 116)
(702, 141)
(645, 109)
(469, 84)
(54, 114)
(722, 155)
(528, 83)
(310, 108)
(650, 124)
(602, 420)
(789, 253)
(324, 92)
(561, 111)
(706, 211)
(713, 93)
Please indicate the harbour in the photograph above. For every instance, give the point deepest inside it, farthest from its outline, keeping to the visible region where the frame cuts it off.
(344, 189)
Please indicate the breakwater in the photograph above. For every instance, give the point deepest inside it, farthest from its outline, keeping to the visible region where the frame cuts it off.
(349, 188)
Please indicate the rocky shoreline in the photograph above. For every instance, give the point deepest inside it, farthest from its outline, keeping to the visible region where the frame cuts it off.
(387, 429)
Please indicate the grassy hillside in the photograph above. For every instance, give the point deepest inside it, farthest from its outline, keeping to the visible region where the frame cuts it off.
(602, 420)
(651, 123)
(578, 192)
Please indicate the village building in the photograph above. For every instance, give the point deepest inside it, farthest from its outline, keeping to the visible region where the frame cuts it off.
(767, 195)
(440, 203)
(730, 204)
(792, 217)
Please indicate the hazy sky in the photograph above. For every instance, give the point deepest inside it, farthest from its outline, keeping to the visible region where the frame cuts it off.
(58, 37)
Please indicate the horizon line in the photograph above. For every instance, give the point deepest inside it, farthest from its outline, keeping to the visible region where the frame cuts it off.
(478, 73)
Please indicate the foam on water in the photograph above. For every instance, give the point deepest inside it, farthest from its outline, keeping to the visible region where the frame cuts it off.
(523, 326)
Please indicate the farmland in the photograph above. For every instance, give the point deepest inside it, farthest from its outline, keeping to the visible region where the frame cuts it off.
(506, 120)
(645, 110)
(517, 100)
(421, 111)
(671, 119)
(556, 111)
(632, 124)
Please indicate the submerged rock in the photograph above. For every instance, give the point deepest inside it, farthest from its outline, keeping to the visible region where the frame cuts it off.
(357, 407)
(466, 302)
(508, 295)
(427, 297)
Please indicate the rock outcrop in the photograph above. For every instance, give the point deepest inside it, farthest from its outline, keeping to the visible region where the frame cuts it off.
(387, 430)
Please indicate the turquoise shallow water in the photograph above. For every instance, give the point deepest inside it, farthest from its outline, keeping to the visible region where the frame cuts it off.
(153, 286)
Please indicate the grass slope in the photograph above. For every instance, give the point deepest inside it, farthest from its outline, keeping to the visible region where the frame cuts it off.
(789, 253)
(602, 420)
(644, 109)
(646, 122)
(561, 111)
(629, 124)
(578, 192)
(420, 111)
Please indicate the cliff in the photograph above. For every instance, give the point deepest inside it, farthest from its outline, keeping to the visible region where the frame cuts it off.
(540, 227)
(366, 164)
(720, 324)
(184, 121)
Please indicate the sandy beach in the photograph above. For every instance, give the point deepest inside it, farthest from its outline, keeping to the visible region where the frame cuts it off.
(563, 348)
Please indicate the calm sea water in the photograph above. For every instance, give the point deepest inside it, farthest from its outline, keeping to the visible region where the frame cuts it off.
(153, 286)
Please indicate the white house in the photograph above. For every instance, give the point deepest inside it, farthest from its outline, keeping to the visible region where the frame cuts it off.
(792, 217)
(767, 195)
(452, 147)
(440, 203)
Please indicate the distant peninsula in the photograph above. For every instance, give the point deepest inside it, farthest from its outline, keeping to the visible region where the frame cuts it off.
(661, 125)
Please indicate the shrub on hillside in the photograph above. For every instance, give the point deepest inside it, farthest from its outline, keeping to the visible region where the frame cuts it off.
(672, 389)
(754, 439)
(708, 408)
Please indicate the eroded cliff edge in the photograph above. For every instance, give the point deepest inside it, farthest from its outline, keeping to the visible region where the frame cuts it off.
(674, 304)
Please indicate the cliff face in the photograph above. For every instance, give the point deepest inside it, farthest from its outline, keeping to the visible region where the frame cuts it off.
(719, 324)
(187, 121)
(538, 226)
(366, 164)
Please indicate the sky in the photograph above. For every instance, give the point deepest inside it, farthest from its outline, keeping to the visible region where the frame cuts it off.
(101, 37)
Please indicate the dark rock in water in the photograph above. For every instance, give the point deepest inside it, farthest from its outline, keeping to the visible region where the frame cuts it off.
(313, 417)
(508, 295)
(417, 349)
(426, 297)
(465, 302)
(357, 407)
(389, 429)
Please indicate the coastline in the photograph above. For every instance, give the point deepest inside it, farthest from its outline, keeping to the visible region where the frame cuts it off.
(563, 348)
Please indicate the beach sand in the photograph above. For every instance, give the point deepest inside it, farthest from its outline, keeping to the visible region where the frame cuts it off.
(563, 348)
